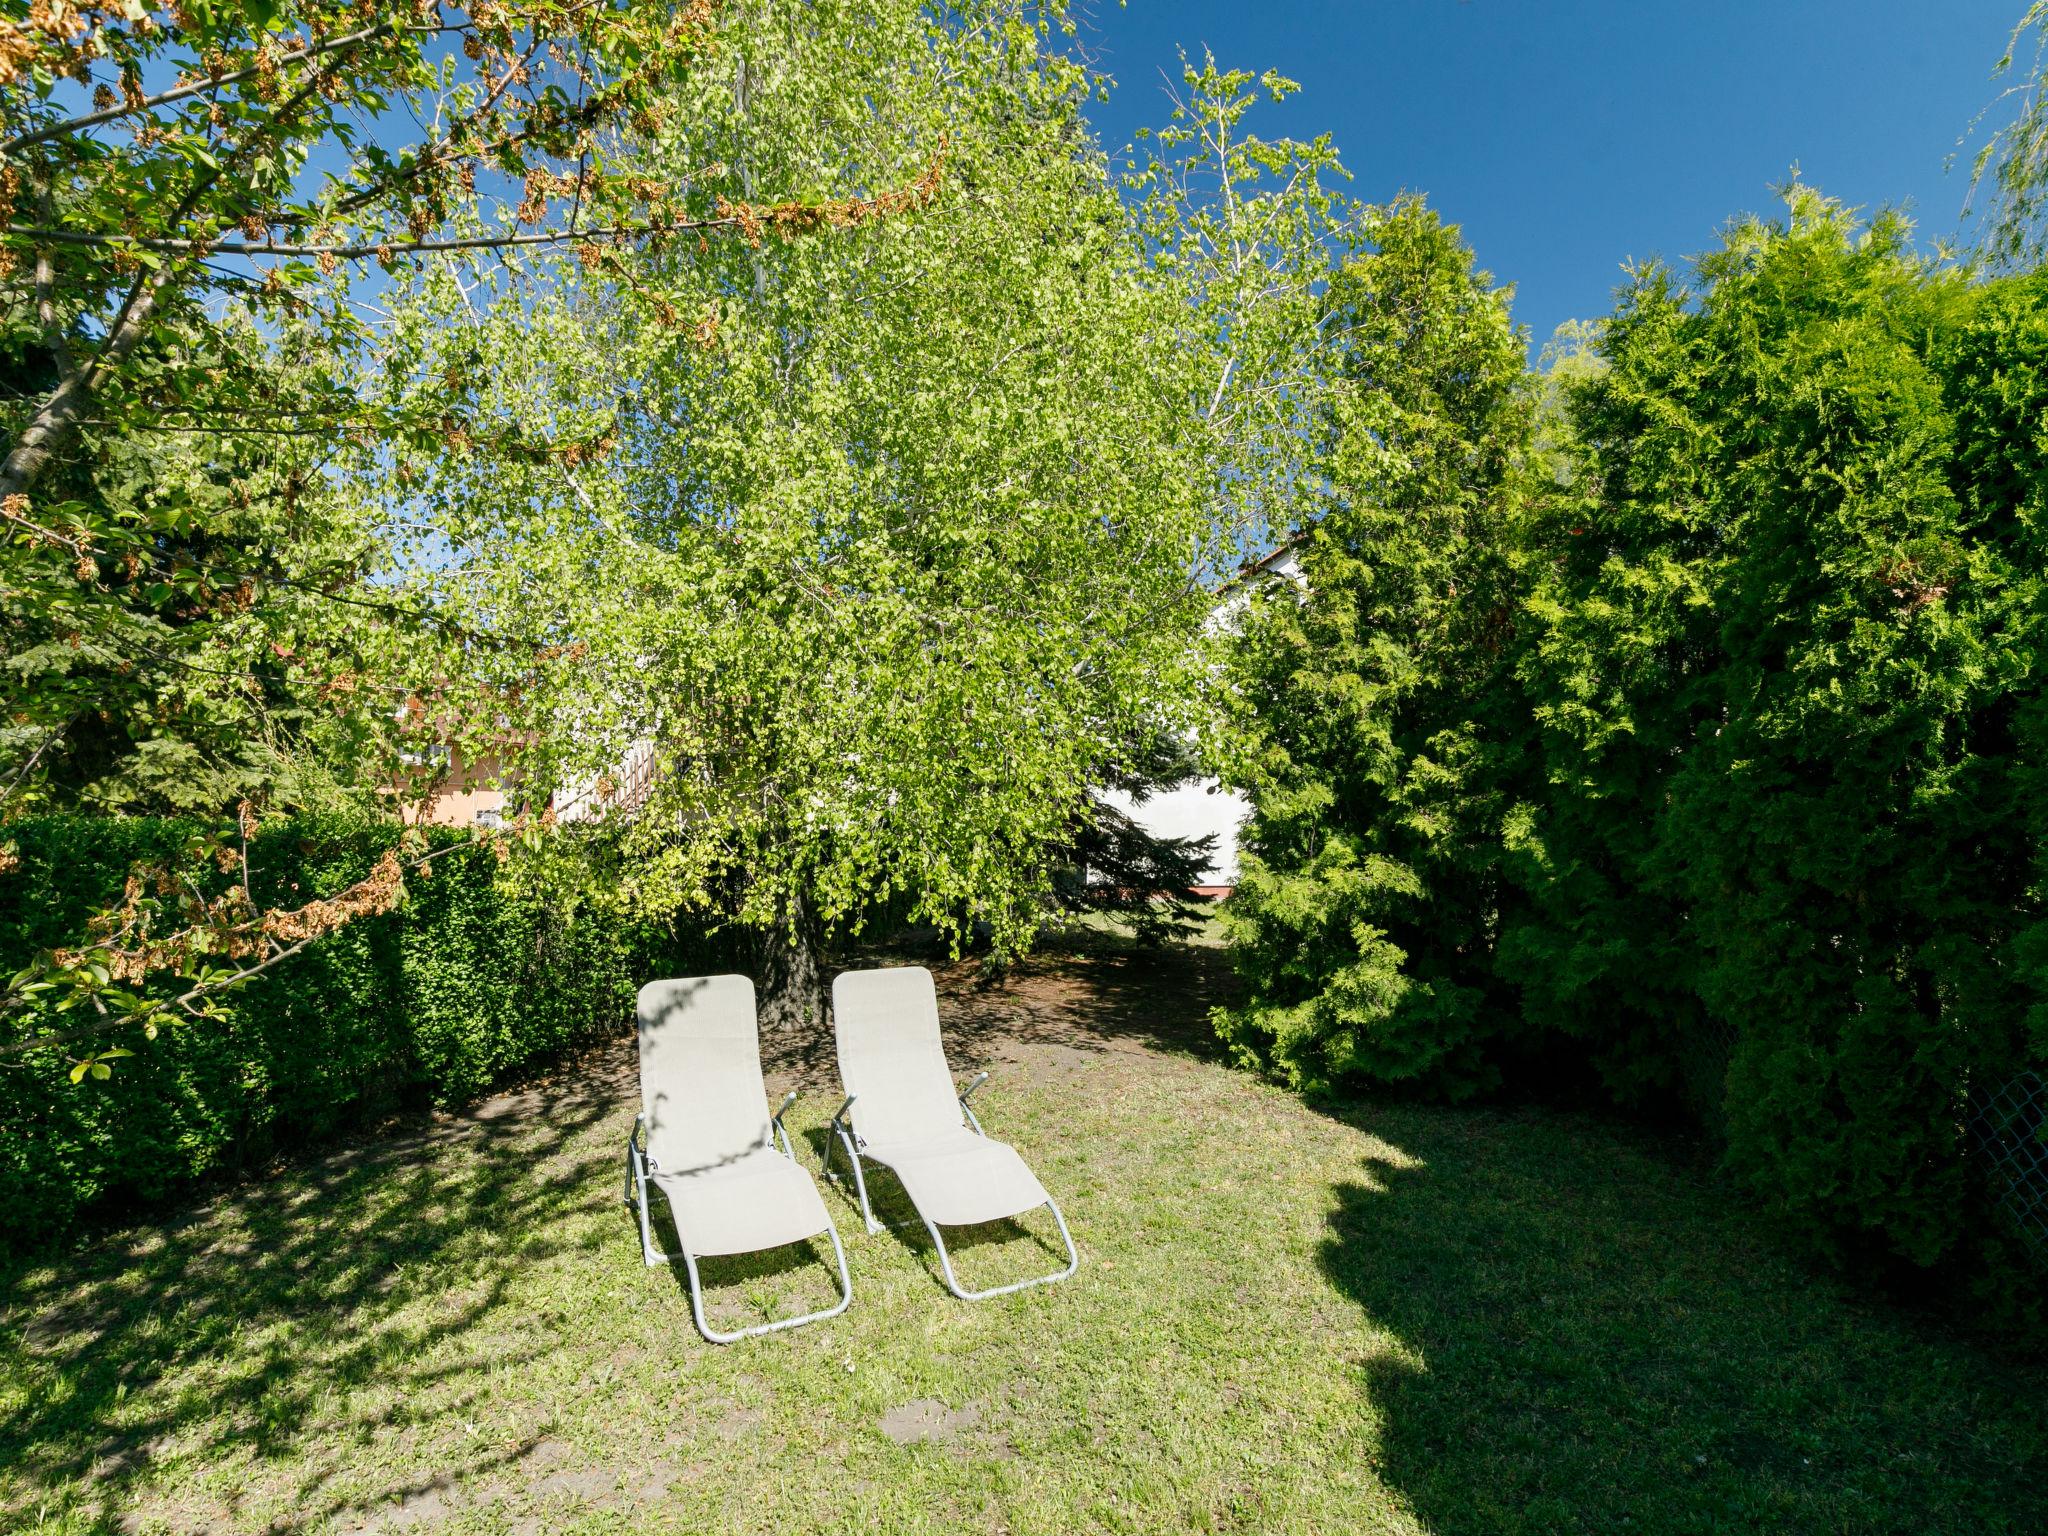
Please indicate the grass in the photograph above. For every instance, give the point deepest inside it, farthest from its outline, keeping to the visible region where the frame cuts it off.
(1393, 1318)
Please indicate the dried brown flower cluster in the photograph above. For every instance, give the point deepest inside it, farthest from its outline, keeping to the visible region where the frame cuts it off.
(789, 220)
(48, 22)
(229, 925)
(15, 510)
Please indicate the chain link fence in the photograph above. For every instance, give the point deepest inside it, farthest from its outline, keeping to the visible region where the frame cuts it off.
(1703, 1054)
(2009, 1139)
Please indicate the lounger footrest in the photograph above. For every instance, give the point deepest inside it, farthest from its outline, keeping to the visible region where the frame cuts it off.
(960, 1178)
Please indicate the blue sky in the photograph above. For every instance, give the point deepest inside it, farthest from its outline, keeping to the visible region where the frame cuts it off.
(1567, 136)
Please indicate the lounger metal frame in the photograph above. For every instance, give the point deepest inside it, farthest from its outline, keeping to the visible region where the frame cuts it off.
(849, 1141)
(640, 1172)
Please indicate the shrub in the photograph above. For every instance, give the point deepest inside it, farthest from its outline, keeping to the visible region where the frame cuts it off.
(1781, 667)
(1375, 724)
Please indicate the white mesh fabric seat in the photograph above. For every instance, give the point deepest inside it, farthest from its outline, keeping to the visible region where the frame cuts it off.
(711, 1147)
(760, 1200)
(958, 1178)
(902, 1111)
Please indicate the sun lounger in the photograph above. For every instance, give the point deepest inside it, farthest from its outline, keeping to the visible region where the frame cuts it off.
(705, 1139)
(902, 1112)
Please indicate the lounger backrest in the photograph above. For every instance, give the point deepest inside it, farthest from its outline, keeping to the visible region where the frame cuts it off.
(887, 1026)
(700, 1071)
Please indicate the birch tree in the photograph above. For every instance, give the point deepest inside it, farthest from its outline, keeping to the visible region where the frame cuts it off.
(904, 538)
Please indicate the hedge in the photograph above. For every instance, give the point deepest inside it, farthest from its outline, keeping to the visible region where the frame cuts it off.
(465, 982)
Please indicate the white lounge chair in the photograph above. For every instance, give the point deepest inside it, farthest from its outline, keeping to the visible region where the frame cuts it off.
(901, 1111)
(710, 1144)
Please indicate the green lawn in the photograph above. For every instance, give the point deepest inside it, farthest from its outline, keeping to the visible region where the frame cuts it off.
(1399, 1318)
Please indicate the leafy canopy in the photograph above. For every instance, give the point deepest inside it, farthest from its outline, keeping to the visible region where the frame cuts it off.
(900, 542)
(188, 582)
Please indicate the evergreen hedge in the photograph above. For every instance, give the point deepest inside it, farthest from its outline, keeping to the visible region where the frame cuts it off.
(467, 980)
(1692, 722)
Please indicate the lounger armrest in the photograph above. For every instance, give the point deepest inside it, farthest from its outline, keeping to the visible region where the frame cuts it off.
(636, 1145)
(839, 1123)
(968, 1109)
(781, 1130)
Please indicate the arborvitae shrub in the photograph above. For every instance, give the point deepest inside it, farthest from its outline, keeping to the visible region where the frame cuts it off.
(1746, 796)
(1367, 702)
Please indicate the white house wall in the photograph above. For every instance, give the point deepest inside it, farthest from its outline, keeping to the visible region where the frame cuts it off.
(1205, 808)
(1199, 809)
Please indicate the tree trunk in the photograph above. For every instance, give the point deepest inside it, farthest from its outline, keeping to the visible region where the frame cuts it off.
(46, 431)
(792, 976)
(57, 417)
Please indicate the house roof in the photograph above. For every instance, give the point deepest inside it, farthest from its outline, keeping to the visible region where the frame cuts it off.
(1252, 568)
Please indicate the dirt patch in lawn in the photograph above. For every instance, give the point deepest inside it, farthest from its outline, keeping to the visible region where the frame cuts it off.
(928, 1419)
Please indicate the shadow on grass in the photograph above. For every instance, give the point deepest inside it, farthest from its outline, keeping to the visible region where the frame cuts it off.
(233, 1329)
(1596, 1341)
(1583, 1334)
(311, 1310)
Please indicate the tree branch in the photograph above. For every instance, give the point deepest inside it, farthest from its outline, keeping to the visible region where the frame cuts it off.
(58, 414)
(377, 248)
(359, 899)
(211, 83)
(46, 314)
(49, 740)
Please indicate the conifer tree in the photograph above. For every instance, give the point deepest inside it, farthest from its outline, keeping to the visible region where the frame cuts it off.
(1373, 722)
